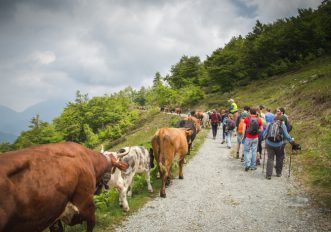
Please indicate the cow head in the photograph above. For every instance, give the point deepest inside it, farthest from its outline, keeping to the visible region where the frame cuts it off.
(189, 133)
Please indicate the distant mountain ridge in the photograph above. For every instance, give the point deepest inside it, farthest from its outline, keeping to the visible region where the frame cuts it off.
(12, 123)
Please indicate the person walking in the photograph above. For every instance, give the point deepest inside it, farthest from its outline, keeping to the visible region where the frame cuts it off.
(239, 131)
(230, 125)
(251, 129)
(275, 135)
(214, 121)
(233, 109)
(259, 144)
(269, 117)
(224, 116)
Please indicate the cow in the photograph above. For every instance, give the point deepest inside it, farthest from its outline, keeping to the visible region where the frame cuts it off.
(169, 144)
(205, 120)
(178, 110)
(43, 184)
(138, 159)
(196, 122)
(198, 115)
(188, 124)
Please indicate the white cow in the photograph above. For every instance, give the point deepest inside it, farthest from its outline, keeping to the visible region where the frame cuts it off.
(205, 120)
(139, 162)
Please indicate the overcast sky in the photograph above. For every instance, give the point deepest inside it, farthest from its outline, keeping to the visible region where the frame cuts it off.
(50, 49)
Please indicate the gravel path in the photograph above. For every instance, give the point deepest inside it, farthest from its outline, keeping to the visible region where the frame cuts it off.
(218, 195)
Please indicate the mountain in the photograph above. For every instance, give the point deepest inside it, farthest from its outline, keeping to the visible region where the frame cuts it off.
(12, 123)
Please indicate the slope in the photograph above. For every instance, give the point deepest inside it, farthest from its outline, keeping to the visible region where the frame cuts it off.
(306, 96)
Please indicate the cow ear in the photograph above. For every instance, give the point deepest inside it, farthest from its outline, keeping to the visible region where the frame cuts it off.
(188, 132)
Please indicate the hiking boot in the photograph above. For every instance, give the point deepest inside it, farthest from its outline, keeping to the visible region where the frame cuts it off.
(258, 162)
(253, 168)
(242, 159)
(246, 169)
(237, 157)
(222, 142)
(268, 177)
(279, 175)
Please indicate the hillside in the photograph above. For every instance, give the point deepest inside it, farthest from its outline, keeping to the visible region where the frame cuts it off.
(306, 96)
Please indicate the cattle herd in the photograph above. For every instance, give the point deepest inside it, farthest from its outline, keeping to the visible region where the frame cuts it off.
(45, 185)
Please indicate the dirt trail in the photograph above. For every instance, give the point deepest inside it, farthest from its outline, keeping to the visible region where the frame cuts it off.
(218, 195)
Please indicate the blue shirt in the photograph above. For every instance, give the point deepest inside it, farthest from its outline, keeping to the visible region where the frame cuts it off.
(269, 117)
(286, 137)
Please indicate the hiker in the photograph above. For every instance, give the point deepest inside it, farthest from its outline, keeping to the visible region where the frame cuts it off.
(224, 116)
(286, 120)
(275, 136)
(239, 130)
(259, 144)
(230, 125)
(269, 117)
(214, 122)
(233, 109)
(252, 127)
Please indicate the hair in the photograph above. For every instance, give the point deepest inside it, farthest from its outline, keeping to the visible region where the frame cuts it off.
(247, 108)
(282, 110)
(230, 116)
(268, 109)
(261, 107)
(252, 111)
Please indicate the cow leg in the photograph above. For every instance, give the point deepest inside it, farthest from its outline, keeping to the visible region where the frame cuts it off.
(130, 190)
(56, 227)
(181, 163)
(164, 180)
(86, 209)
(123, 200)
(148, 180)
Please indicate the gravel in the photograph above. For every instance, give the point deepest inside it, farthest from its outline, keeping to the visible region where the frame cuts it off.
(218, 195)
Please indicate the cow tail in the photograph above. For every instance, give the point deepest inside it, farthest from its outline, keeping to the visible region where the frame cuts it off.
(151, 158)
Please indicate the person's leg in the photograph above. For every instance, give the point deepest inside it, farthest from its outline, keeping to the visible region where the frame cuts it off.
(247, 148)
(279, 161)
(213, 127)
(254, 149)
(239, 137)
(224, 134)
(270, 162)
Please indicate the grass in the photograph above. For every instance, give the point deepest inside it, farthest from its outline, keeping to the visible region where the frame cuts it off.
(109, 214)
(306, 96)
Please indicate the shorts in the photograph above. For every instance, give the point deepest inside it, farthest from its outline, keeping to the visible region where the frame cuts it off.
(239, 137)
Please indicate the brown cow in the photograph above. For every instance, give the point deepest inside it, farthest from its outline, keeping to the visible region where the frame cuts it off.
(169, 144)
(41, 184)
(196, 122)
(178, 110)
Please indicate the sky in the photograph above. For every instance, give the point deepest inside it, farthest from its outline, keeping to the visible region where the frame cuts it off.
(49, 49)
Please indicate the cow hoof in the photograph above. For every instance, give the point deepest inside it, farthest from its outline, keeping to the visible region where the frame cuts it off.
(181, 177)
(163, 195)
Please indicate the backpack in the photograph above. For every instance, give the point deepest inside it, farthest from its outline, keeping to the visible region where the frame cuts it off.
(253, 126)
(230, 124)
(288, 124)
(241, 126)
(275, 132)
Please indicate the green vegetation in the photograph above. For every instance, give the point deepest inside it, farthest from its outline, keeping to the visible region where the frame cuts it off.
(109, 213)
(286, 63)
(306, 96)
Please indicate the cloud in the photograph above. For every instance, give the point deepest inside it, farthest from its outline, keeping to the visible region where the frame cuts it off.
(52, 48)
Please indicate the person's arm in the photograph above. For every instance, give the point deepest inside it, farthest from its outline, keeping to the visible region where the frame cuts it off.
(265, 132)
(286, 134)
(244, 131)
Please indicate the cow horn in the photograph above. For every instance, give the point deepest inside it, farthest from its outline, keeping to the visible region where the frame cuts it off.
(122, 153)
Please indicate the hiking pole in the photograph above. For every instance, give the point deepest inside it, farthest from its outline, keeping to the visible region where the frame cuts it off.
(289, 166)
(263, 159)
